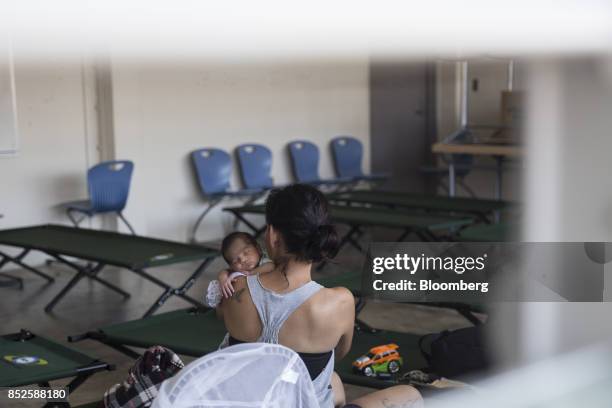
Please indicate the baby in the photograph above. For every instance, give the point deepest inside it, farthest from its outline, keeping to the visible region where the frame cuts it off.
(242, 254)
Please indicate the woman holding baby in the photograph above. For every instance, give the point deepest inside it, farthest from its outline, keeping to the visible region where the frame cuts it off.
(280, 303)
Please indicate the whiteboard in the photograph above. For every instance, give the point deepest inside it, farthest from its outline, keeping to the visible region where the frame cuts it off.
(9, 141)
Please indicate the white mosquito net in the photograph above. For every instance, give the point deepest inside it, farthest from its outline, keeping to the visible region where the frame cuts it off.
(245, 375)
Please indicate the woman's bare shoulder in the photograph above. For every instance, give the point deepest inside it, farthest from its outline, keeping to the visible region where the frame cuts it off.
(335, 305)
(339, 296)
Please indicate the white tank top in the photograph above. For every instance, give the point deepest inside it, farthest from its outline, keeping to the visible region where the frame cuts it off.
(274, 309)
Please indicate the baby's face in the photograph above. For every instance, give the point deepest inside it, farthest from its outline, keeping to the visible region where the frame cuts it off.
(242, 256)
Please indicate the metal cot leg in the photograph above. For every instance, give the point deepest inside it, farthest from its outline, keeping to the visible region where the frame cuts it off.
(86, 272)
(169, 291)
(8, 280)
(18, 261)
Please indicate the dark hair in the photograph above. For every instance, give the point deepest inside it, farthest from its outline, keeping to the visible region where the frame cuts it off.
(301, 214)
(231, 238)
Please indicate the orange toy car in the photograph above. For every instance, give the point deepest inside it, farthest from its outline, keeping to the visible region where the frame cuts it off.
(383, 359)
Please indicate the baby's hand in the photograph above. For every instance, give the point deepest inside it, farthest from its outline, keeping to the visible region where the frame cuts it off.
(227, 289)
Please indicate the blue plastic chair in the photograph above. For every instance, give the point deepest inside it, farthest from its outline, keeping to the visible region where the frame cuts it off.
(213, 169)
(109, 185)
(348, 154)
(305, 163)
(255, 163)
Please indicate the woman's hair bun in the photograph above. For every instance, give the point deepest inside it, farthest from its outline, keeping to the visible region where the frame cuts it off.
(301, 213)
(323, 243)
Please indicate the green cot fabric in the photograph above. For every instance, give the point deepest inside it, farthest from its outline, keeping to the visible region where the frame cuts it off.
(129, 251)
(378, 217)
(183, 331)
(62, 361)
(487, 233)
(411, 200)
(364, 341)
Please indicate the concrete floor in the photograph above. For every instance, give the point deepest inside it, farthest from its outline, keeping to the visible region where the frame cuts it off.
(90, 305)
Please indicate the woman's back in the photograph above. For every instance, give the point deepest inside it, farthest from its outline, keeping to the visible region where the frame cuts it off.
(308, 319)
(317, 324)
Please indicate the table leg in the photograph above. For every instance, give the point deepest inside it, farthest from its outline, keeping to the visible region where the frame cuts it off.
(498, 183)
(452, 183)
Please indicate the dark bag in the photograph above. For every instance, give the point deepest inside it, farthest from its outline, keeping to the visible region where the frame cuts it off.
(456, 353)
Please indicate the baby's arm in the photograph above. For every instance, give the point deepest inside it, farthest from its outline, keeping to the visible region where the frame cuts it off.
(226, 277)
(263, 268)
(227, 289)
(225, 283)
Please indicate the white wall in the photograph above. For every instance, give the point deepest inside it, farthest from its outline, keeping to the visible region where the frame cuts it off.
(162, 112)
(51, 163)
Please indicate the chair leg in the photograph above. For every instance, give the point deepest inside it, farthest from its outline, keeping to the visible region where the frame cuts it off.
(125, 221)
(75, 222)
(194, 230)
(250, 201)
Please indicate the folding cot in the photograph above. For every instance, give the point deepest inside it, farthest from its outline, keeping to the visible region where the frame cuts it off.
(102, 248)
(31, 359)
(423, 225)
(482, 209)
